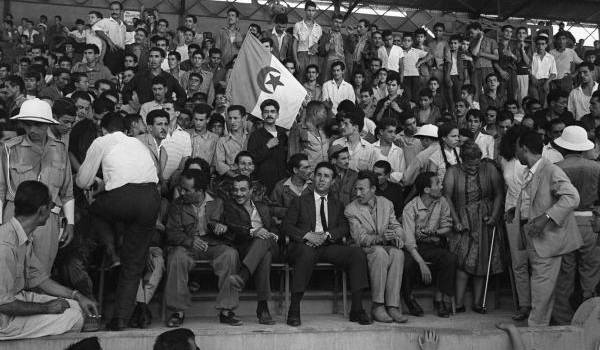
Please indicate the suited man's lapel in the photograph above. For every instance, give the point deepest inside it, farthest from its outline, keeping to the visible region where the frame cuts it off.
(309, 201)
(537, 178)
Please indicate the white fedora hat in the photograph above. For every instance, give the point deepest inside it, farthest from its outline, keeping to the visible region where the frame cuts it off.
(428, 130)
(36, 110)
(574, 138)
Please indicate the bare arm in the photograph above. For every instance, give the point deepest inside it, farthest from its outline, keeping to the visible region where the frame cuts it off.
(105, 37)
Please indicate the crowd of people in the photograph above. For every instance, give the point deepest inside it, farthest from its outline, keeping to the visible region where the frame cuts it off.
(413, 160)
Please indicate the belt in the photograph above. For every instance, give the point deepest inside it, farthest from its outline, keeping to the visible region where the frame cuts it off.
(583, 213)
(523, 222)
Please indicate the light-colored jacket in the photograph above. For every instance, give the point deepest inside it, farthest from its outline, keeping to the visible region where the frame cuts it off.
(364, 229)
(552, 193)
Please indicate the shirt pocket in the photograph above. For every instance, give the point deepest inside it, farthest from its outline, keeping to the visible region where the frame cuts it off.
(21, 172)
(56, 174)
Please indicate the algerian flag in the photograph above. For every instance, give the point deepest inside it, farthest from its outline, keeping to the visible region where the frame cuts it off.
(257, 76)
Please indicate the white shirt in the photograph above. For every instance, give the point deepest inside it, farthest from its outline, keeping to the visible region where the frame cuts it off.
(411, 57)
(551, 154)
(92, 38)
(579, 103)
(391, 61)
(278, 38)
(178, 146)
(486, 144)
(305, 36)
(124, 160)
(396, 159)
(318, 223)
(362, 157)
(514, 174)
(183, 51)
(369, 126)
(116, 31)
(564, 60)
(525, 194)
(337, 94)
(542, 68)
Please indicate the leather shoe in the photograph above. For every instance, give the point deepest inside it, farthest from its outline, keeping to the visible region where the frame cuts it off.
(442, 309)
(361, 317)
(116, 325)
(380, 315)
(176, 320)
(479, 309)
(293, 319)
(522, 314)
(264, 317)
(134, 321)
(413, 307)
(237, 282)
(397, 315)
(145, 319)
(230, 318)
(460, 309)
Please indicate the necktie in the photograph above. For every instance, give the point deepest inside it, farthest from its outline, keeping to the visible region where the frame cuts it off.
(323, 216)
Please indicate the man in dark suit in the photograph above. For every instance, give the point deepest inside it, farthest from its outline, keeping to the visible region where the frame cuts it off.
(251, 233)
(282, 41)
(316, 225)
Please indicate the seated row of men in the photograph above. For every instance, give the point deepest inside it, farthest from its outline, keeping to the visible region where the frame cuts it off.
(242, 246)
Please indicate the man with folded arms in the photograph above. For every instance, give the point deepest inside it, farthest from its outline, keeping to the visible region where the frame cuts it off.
(374, 227)
(316, 225)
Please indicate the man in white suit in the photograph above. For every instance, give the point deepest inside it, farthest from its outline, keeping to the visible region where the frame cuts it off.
(548, 227)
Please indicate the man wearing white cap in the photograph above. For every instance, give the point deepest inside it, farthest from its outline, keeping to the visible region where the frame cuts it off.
(428, 135)
(585, 176)
(37, 156)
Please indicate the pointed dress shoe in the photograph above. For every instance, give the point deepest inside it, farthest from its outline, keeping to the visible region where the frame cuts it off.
(230, 318)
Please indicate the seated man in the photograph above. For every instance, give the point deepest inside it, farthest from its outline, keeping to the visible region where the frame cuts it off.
(343, 184)
(374, 227)
(244, 165)
(194, 232)
(293, 187)
(316, 225)
(23, 313)
(251, 233)
(426, 220)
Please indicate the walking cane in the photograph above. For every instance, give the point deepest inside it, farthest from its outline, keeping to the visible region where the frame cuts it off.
(487, 275)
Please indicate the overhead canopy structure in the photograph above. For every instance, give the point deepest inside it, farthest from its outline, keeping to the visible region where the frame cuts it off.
(581, 11)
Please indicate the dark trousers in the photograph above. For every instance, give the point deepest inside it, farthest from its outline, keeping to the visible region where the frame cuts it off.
(412, 87)
(257, 256)
(510, 85)
(113, 60)
(136, 207)
(443, 264)
(454, 91)
(351, 259)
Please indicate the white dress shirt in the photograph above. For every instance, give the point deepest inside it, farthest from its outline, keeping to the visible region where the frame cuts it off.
(514, 175)
(486, 144)
(116, 31)
(178, 146)
(543, 67)
(396, 159)
(318, 223)
(579, 103)
(306, 36)
(391, 61)
(362, 156)
(337, 94)
(124, 160)
(526, 190)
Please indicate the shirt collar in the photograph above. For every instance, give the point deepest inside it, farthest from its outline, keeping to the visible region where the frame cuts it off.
(535, 166)
(21, 235)
(318, 196)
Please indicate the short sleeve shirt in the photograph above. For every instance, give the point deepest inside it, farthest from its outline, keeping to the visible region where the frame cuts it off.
(487, 46)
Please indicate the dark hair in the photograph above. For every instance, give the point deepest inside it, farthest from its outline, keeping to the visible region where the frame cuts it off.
(269, 102)
(157, 113)
(394, 76)
(455, 37)
(176, 339)
(199, 161)
(160, 51)
(475, 113)
(63, 106)
(176, 54)
(423, 181)
(213, 51)
(199, 177)
(76, 76)
(384, 123)
(131, 118)
(368, 175)
(309, 3)
(81, 95)
(295, 160)
(117, 3)
(103, 105)
(470, 151)
(92, 47)
(443, 131)
(470, 89)
(159, 80)
(533, 141)
(244, 154)
(474, 25)
(30, 196)
(16, 80)
(326, 165)
(588, 65)
(238, 108)
(233, 9)
(507, 148)
(487, 77)
(383, 164)
(91, 343)
(426, 93)
(203, 108)
(312, 66)
(506, 26)
(505, 115)
(337, 15)
(555, 94)
(338, 63)
(214, 119)
(420, 31)
(112, 122)
(281, 18)
(356, 119)
(143, 31)
(243, 178)
(194, 19)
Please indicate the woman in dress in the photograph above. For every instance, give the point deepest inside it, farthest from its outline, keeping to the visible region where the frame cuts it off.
(448, 154)
(474, 190)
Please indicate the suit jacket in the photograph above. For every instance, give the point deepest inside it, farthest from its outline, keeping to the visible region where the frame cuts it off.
(182, 221)
(270, 162)
(552, 193)
(160, 162)
(239, 223)
(365, 231)
(301, 218)
(286, 45)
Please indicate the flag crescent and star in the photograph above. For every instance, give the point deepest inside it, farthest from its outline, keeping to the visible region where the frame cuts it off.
(257, 75)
